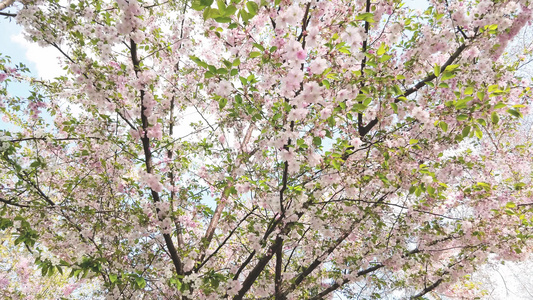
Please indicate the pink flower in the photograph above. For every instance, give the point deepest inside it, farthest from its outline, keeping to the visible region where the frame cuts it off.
(4, 282)
(311, 92)
(353, 35)
(153, 181)
(224, 88)
(3, 76)
(297, 114)
(288, 156)
(243, 188)
(318, 66)
(155, 132)
(293, 79)
(356, 142)
(312, 36)
(301, 54)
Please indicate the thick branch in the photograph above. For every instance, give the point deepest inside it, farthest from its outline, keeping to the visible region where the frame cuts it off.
(337, 285)
(305, 22)
(9, 202)
(363, 65)
(148, 161)
(366, 129)
(5, 4)
(318, 261)
(429, 78)
(37, 188)
(427, 289)
(7, 14)
(256, 271)
(277, 276)
(261, 264)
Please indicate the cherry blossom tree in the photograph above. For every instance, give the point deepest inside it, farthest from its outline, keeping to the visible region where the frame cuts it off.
(269, 149)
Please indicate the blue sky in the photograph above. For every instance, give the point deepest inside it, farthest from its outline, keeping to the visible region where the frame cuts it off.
(16, 51)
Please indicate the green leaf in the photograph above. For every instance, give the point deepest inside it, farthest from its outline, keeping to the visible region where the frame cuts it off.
(44, 270)
(484, 185)
(255, 54)
(500, 105)
(197, 5)
(222, 103)
(436, 70)
(236, 62)
(394, 107)
(443, 126)
(259, 46)
(221, 6)
(469, 90)
(514, 113)
(113, 278)
(480, 95)
(223, 19)
(367, 17)
(336, 164)
(494, 117)
(382, 49)
(451, 68)
(519, 186)
(141, 283)
(206, 2)
(206, 13)
(199, 61)
(479, 133)
(466, 131)
(230, 11)
(317, 141)
(252, 7)
(385, 58)
(222, 71)
(412, 189)
(234, 72)
(447, 75)
(245, 16)
(462, 117)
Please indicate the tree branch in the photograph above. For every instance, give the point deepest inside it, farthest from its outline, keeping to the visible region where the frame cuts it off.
(7, 14)
(9, 202)
(363, 65)
(256, 271)
(428, 289)
(366, 129)
(5, 4)
(148, 161)
(224, 242)
(337, 285)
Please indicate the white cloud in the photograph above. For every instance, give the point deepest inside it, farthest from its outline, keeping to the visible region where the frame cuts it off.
(47, 60)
